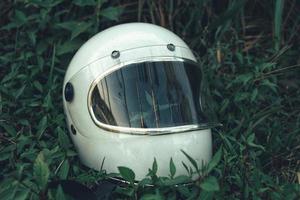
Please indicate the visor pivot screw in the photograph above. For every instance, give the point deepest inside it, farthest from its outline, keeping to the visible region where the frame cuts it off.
(69, 92)
(171, 47)
(115, 54)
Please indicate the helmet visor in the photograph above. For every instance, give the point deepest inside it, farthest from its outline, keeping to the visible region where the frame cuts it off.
(153, 95)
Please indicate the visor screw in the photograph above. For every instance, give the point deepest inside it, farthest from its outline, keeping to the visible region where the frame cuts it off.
(69, 92)
(171, 47)
(115, 54)
(73, 130)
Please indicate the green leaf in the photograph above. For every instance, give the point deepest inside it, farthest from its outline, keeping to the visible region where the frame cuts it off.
(60, 194)
(250, 142)
(20, 17)
(82, 3)
(254, 94)
(127, 174)
(241, 96)
(32, 37)
(63, 138)
(41, 171)
(210, 184)
(10, 130)
(156, 196)
(177, 180)
(215, 160)
(206, 195)
(75, 28)
(19, 92)
(152, 197)
(68, 47)
(192, 161)
(42, 127)
(64, 170)
(186, 168)
(22, 194)
(144, 182)
(154, 166)
(112, 13)
(172, 168)
(7, 152)
(38, 86)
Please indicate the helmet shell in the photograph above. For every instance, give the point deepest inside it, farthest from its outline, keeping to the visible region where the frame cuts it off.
(133, 42)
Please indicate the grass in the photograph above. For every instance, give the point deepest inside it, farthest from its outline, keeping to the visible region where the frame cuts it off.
(249, 50)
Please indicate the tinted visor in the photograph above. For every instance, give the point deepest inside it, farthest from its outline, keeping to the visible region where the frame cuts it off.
(156, 94)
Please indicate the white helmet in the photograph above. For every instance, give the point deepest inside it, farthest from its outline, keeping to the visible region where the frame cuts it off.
(132, 93)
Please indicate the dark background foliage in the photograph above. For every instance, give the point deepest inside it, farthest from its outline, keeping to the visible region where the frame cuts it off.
(249, 49)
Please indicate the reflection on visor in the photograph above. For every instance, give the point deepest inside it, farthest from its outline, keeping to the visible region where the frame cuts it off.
(153, 95)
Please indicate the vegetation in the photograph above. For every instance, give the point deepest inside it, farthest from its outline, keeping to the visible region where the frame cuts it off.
(249, 50)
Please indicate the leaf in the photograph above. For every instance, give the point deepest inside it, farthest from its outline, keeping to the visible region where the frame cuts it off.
(19, 92)
(172, 168)
(38, 86)
(241, 96)
(156, 196)
(270, 85)
(152, 197)
(250, 142)
(42, 127)
(210, 184)
(68, 47)
(127, 174)
(112, 13)
(82, 3)
(32, 37)
(192, 161)
(154, 166)
(205, 195)
(60, 193)
(6, 152)
(63, 139)
(22, 194)
(64, 170)
(20, 17)
(254, 94)
(41, 171)
(75, 28)
(177, 180)
(186, 167)
(144, 182)
(10, 130)
(215, 160)
(46, 4)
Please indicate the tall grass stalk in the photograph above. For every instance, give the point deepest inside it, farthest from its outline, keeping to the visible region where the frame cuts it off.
(279, 5)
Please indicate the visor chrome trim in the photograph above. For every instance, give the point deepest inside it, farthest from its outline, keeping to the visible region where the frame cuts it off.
(143, 131)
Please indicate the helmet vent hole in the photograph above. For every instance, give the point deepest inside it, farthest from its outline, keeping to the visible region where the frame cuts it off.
(115, 54)
(73, 130)
(171, 47)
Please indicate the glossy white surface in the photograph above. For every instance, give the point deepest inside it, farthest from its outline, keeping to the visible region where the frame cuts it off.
(121, 37)
(138, 152)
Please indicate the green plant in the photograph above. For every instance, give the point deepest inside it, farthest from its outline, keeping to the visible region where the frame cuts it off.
(249, 51)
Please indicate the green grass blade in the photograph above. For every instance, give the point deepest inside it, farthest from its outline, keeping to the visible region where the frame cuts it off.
(279, 5)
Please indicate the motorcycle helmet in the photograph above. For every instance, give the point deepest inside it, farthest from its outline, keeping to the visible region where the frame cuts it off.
(135, 92)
